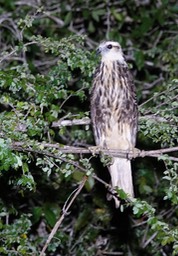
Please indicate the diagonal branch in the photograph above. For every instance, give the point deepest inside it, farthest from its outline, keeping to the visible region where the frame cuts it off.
(65, 209)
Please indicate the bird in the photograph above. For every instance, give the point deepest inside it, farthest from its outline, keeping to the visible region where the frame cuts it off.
(114, 113)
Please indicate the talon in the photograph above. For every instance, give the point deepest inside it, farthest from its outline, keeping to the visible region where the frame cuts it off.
(94, 149)
(136, 152)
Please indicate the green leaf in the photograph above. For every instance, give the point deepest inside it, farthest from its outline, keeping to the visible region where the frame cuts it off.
(83, 219)
(139, 59)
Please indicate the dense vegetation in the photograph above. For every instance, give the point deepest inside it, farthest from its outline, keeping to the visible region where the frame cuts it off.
(47, 60)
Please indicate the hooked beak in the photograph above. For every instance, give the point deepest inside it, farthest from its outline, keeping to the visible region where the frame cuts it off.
(98, 51)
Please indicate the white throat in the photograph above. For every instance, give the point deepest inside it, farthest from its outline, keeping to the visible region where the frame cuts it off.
(111, 56)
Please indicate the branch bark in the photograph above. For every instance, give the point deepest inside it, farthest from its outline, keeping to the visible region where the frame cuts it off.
(87, 121)
(82, 121)
(129, 154)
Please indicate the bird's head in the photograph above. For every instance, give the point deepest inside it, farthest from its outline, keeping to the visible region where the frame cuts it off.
(111, 51)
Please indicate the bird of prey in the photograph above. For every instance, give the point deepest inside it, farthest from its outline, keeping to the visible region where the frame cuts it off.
(114, 113)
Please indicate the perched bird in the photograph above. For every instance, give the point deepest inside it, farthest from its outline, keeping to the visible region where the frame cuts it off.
(114, 112)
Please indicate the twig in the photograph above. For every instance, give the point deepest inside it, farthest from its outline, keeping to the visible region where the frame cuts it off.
(155, 82)
(144, 236)
(49, 154)
(155, 96)
(149, 240)
(111, 253)
(158, 39)
(108, 23)
(15, 50)
(61, 23)
(63, 159)
(139, 224)
(65, 209)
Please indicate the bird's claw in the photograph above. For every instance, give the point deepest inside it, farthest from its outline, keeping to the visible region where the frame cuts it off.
(135, 152)
(94, 150)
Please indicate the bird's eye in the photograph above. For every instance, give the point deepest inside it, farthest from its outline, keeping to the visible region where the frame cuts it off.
(109, 46)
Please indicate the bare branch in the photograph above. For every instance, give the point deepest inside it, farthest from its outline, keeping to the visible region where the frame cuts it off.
(83, 121)
(87, 121)
(61, 23)
(155, 82)
(150, 239)
(108, 23)
(129, 154)
(111, 253)
(63, 159)
(65, 209)
(156, 96)
(15, 50)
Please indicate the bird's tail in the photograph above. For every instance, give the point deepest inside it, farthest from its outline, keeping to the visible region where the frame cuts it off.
(121, 177)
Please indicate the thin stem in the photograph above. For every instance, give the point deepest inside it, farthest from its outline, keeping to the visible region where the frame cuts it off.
(65, 209)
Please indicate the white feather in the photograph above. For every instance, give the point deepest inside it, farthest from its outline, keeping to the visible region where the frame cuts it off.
(121, 177)
(113, 54)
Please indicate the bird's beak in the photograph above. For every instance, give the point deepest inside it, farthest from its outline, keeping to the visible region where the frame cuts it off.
(98, 51)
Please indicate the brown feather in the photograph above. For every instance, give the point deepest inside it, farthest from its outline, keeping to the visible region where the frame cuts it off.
(114, 114)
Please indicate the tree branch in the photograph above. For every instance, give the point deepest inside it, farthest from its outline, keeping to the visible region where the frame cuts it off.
(65, 209)
(82, 121)
(87, 121)
(129, 154)
(63, 159)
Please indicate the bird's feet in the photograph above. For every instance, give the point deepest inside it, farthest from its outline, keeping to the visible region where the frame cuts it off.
(135, 152)
(95, 150)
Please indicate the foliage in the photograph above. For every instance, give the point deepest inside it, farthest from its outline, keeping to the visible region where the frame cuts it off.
(47, 60)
